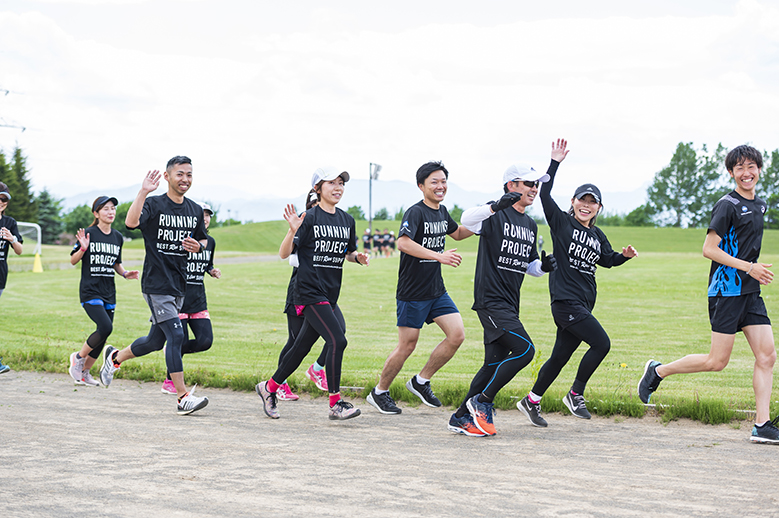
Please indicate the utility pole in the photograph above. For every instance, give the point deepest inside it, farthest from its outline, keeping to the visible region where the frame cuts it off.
(373, 174)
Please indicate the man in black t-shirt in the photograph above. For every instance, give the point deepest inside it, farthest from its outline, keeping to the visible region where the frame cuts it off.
(421, 295)
(366, 241)
(733, 244)
(172, 227)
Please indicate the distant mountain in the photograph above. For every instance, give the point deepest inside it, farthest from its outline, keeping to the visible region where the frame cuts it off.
(392, 195)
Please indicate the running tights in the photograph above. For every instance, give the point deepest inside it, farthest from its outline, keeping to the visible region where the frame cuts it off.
(104, 319)
(503, 359)
(294, 325)
(170, 331)
(204, 335)
(588, 330)
(320, 320)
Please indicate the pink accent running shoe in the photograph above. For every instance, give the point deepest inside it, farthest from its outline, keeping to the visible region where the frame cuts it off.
(318, 377)
(284, 393)
(168, 387)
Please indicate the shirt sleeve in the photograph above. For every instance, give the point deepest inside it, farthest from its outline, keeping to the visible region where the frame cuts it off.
(472, 218)
(721, 218)
(352, 246)
(608, 257)
(120, 241)
(410, 223)
(451, 224)
(554, 215)
(145, 215)
(211, 242)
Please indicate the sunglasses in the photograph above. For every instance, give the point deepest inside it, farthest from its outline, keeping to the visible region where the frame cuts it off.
(3, 199)
(528, 183)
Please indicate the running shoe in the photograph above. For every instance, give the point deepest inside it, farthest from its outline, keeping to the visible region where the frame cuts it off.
(423, 392)
(109, 367)
(268, 400)
(284, 393)
(318, 377)
(649, 381)
(577, 405)
(383, 402)
(465, 426)
(168, 387)
(342, 411)
(768, 433)
(482, 414)
(3, 368)
(87, 380)
(532, 411)
(76, 368)
(189, 403)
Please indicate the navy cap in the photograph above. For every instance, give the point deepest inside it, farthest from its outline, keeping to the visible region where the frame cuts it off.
(588, 188)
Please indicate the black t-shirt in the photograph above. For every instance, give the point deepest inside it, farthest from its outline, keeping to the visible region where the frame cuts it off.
(739, 222)
(506, 247)
(366, 241)
(578, 249)
(420, 279)
(164, 225)
(97, 265)
(323, 241)
(5, 247)
(377, 240)
(197, 266)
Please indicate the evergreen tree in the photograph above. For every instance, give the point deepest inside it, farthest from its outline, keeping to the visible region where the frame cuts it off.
(456, 212)
(768, 187)
(79, 217)
(22, 206)
(381, 214)
(399, 214)
(356, 212)
(49, 218)
(118, 224)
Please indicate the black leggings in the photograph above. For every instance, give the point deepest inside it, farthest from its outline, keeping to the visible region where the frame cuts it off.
(588, 330)
(294, 325)
(104, 319)
(503, 359)
(320, 320)
(170, 331)
(204, 336)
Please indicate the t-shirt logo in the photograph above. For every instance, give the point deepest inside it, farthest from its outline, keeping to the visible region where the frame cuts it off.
(744, 208)
(405, 224)
(762, 209)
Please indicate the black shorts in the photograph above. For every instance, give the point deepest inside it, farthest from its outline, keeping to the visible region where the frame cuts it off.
(568, 313)
(728, 315)
(496, 323)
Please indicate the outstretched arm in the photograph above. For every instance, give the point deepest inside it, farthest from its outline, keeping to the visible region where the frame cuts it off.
(294, 224)
(149, 185)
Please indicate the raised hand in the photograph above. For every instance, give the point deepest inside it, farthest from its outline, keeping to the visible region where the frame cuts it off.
(548, 262)
(450, 258)
(83, 239)
(506, 201)
(292, 217)
(559, 150)
(151, 181)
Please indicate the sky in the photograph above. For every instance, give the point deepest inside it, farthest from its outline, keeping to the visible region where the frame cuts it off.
(259, 94)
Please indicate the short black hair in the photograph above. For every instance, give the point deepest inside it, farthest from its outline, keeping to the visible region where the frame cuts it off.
(178, 160)
(738, 155)
(428, 169)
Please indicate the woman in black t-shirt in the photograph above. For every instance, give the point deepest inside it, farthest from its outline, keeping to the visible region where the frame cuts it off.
(579, 247)
(324, 240)
(10, 238)
(99, 248)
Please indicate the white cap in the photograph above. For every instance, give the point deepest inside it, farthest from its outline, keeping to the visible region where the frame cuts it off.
(326, 174)
(207, 208)
(525, 172)
(7, 195)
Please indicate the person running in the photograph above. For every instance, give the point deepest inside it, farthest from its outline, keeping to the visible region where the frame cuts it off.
(325, 238)
(385, 243)
(392, 243)
(172, 226)
(507, 251)
(421, 295)
(10, 238)
(315, 372)
(194, 312)
(378, 242)
(99, 248)
(579, 247)
(366, 241)
(733, 242)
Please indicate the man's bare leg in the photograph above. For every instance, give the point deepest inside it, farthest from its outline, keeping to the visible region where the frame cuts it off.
(761, 340)
(453, 328)
(407, 342)
(716, 360)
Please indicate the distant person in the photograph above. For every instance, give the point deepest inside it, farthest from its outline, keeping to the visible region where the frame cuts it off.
(325, 238)
(366, 241)
(579, 247)
(172, 226)
(385, 243)
(99, 249)
(392, 242)
(378, 242)
(733, 244)
(421, 295)
(9, 238)
(194, 313)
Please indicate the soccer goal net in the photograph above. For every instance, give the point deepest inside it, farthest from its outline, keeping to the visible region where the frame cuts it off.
(32, 232)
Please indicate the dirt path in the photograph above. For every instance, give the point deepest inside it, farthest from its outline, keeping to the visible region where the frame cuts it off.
(123, 451)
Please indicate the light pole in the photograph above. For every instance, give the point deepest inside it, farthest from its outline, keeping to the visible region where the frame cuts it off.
(373, 174)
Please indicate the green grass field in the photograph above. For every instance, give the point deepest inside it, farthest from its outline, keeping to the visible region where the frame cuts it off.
(652, 307)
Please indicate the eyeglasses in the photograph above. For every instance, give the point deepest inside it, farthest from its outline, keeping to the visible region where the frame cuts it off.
(528, 183)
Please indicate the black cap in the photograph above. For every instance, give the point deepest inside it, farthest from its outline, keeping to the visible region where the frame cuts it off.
(588, 188)
(102, 201)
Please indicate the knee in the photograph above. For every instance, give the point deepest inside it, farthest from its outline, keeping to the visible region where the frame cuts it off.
(106, 330)
(341, 343)
(204, 342)
(456, 338)
(716, 364)
(766, 360)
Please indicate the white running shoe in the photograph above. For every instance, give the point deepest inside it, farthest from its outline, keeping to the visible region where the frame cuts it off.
(88, 380)
(108, 370)
(76, 368)
(189, 403)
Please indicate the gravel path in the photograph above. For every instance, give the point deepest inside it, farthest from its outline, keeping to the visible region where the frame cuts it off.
(123, 451)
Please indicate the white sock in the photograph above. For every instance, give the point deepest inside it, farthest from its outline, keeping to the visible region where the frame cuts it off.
(534, 398)
(378, 391)
(421, 380)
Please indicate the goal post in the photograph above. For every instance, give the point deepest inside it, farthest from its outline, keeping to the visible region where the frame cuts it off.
(30, 230)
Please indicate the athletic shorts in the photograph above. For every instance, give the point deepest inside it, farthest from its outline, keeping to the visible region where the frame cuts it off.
(195, 316)
(417, 313)
(728, 315)
(163, 307)
(496, 323)
(566, 313)
(98, 302)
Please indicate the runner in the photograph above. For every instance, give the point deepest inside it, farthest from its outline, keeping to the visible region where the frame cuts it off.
(316, 372)
(378, 242)
(385, 243)
(366, 241)
(324, 239)
(99, 248)
(421, 295)
(392, 243)
(194, 313)
(579, 247)
(172, 226)
(9, 238)
(733, 242)
(507, 251)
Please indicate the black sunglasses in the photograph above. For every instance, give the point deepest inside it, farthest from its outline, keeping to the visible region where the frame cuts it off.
(530, 184)
(3, 199)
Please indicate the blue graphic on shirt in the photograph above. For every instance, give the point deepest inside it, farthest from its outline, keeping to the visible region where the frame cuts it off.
(726, 282)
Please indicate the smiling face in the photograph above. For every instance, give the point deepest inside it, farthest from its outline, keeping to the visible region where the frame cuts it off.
(330, 192)
(746, 174)
(179, 178)
(3, 204)
(585, 209)
(106, 214)
(529, 193)
(434, 188)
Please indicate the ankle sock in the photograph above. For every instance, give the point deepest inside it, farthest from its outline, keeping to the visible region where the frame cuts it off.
(317, 367)
(378, 391)
(421, 380)
(272, 386)
(534, 398)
